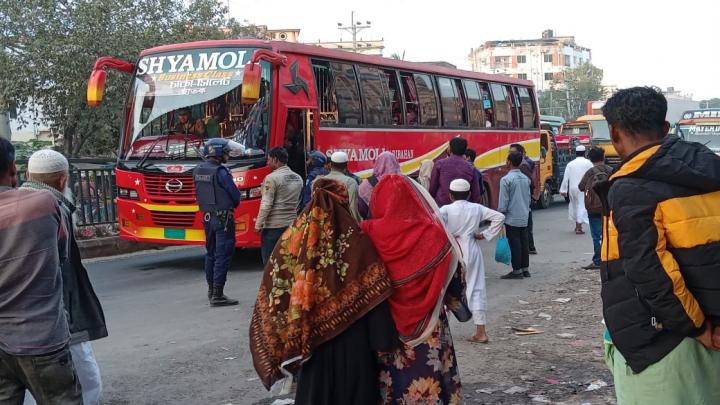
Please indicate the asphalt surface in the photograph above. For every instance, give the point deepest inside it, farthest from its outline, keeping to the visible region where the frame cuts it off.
(168, 346)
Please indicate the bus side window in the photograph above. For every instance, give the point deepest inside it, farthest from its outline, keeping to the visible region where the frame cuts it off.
(527, 108)
(475, 111)
(462, 97)
(375, 96)
(395, 97)
(412, 103)
(502, 108)
(512, 101)
(487, 105)
(451, 102)
(347, 94)
(427, 100)
(324, 84)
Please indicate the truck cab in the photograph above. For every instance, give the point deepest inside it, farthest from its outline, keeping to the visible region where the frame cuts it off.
(554, 158)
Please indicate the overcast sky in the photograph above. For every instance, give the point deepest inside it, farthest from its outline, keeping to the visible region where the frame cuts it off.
(634, 42)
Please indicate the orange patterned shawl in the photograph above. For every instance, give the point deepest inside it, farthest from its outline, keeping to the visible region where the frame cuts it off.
(323, 275)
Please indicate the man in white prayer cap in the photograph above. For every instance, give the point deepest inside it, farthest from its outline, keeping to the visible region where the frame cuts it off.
(49, 170)
(338, 168)
(574, 172)
(462, 220)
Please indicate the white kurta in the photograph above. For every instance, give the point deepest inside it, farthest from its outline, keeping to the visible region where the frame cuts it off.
(462, 220)
(574, 173)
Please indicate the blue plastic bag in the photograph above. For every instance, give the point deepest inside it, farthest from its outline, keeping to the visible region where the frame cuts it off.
(502, 250)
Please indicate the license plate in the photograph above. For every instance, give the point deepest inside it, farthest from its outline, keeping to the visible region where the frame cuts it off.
(171, 233)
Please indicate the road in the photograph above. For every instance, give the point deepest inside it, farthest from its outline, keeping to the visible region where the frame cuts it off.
(167, 346)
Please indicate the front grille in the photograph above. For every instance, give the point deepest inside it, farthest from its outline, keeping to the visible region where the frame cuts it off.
(174, 219)
(169, 186)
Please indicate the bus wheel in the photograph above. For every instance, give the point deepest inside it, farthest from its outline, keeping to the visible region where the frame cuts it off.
(485, 198)
(545, 197)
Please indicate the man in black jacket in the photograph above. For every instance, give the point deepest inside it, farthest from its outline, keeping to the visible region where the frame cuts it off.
(49, 170)
(660, 257)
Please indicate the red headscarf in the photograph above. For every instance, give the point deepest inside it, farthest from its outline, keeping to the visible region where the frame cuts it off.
(418, 254)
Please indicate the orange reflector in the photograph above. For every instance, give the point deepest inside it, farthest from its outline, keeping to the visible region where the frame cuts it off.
(251, 83)
(96, 87)
(125, 223)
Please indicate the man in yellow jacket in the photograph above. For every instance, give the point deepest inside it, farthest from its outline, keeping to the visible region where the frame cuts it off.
(660, 258)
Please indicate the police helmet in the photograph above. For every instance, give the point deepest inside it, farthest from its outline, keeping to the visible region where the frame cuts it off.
(216, 147)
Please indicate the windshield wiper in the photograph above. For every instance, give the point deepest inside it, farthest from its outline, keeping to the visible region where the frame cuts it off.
(140, 164)
(147, 153)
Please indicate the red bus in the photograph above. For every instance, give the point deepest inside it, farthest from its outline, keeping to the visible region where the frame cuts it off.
(305, 98)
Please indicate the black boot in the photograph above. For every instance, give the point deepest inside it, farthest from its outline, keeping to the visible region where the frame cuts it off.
(219, 299)
(210, 291)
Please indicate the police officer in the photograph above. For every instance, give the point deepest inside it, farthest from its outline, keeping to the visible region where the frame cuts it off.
(217, 196)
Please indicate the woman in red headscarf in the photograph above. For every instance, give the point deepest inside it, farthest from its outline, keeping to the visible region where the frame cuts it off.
(423, 263)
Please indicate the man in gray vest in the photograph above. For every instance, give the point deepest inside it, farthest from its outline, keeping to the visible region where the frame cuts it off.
(217, 197)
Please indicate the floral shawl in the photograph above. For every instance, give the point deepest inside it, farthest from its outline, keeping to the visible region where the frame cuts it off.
(323, 276)
(422, 259)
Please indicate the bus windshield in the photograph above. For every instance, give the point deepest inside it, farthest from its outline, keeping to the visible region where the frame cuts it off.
(709, 135)
(600, 130)
(181, 98)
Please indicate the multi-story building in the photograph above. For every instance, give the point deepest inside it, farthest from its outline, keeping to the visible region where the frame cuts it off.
(371, 47)
(367, 47)
(540, 60)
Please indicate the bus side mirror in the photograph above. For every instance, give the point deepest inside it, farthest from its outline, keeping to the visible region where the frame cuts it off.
(96, 87)
(250, 92)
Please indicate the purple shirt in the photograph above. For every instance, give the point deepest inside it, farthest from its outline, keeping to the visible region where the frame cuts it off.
(447, 170)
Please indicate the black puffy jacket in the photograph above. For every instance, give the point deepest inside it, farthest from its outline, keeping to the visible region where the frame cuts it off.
(661, 249)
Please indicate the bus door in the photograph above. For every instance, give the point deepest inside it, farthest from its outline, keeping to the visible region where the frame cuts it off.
(299, 138)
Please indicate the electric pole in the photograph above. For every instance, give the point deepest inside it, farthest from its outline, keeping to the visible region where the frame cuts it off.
(353, 29)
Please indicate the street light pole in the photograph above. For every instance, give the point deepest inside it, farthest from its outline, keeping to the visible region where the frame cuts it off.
(354, 28)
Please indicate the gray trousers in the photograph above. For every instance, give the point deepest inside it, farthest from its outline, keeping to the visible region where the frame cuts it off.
(51, 379)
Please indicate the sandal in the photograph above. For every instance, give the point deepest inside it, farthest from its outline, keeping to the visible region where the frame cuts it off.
(474, 339)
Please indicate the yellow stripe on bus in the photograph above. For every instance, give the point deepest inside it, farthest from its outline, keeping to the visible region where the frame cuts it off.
(159, 233)
(170, 208)
(498, 156)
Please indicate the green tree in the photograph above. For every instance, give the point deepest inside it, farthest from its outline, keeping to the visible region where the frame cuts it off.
(48, 48)
(571, 90)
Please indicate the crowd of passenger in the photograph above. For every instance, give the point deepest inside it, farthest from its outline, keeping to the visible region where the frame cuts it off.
(361, 279)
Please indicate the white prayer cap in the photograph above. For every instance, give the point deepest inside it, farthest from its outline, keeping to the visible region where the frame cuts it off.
(580, 148)
(459, 185)
(47, 161)
(339, 157)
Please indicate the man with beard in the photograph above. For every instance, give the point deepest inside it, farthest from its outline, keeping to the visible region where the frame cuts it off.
(49, 170)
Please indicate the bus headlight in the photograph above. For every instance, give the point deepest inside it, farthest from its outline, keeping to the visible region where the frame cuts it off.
(128, 193)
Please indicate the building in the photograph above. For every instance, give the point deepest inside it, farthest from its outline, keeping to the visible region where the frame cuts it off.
(371, 47)
(288, 35)
(540, 60)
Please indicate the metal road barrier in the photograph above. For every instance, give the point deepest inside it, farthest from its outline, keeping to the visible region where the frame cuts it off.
(92, 182)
